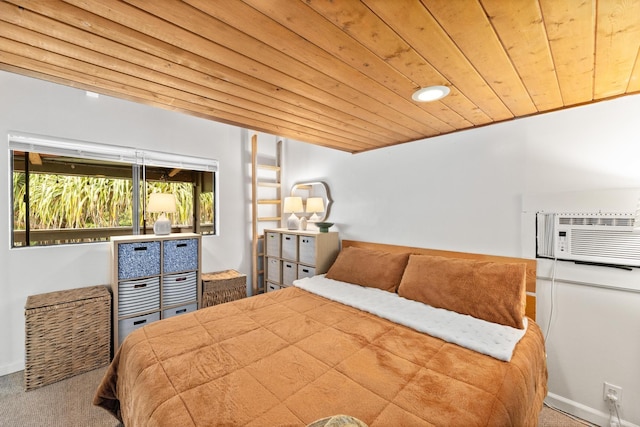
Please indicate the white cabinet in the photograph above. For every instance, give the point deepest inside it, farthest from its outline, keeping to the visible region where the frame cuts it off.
(154, 277)
(293, 254)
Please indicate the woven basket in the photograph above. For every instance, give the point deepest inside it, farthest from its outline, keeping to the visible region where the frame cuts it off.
(223, 286)
(66, 333)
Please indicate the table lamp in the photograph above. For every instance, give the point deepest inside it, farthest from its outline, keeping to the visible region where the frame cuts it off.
(292, 205)
(314, 205)
(162, 203)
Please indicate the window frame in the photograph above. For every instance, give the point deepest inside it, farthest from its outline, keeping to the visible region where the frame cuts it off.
(138, 159)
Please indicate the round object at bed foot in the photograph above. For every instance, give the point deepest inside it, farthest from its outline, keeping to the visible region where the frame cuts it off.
(338, 421)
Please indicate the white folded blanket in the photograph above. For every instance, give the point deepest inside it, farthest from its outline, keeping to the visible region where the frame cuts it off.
(488, 338)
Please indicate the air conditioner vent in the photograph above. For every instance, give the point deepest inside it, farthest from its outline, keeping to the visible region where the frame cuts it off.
(605, 244)
(593, 238)
(597, 220)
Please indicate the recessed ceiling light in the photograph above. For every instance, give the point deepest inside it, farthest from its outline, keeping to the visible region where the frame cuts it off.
(92, 94)
(431, 93)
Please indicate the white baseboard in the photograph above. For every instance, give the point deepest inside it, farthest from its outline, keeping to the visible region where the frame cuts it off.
(581, 411)
(11, 368)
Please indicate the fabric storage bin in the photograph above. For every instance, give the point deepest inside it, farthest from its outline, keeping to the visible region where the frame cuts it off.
(179, 288)
(273, 269)
(138, 296)
(126, 326)
(305, 271)
(273, 244)
(176, 311)
(180, 255)
(66, 333)
(307, 248)
(223, 286)
(289, 273)
(272, 287)
(290, 247)
(138, 259)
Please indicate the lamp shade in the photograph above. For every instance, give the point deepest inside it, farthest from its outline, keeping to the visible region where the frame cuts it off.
(161, 202)
(293, 205)
(315, 204)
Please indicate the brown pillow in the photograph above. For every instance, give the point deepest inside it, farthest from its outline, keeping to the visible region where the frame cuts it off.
(366, 267)
(487, 290)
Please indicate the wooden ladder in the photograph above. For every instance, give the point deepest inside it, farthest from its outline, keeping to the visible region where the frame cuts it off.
(266, 196)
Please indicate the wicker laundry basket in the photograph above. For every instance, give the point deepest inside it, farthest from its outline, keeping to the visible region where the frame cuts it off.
(66, 333)
(223, 286)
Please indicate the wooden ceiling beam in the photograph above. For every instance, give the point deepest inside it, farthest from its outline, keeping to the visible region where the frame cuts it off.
(34, 158)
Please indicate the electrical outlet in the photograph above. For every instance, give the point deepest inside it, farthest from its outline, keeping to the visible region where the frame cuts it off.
(612, 390)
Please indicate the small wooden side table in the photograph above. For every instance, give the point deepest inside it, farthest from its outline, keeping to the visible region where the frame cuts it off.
(223, 286)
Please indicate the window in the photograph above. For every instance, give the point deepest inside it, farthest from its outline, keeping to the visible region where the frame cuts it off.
(73, 192)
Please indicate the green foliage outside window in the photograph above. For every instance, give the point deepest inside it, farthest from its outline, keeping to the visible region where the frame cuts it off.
(59, 201)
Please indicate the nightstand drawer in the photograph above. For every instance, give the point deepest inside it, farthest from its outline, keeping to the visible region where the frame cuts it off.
(179, 288)
(272, 287)
(139, 259)
(180, 255)
(290, 247)
(289, 273)
(138, 296)
(273, 244)
(305, 271)
(273, 269)
(179, 310)
(126, 326)
(307, 248)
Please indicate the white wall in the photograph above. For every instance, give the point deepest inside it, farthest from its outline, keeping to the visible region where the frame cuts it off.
(39, 107)
(478, 191)
(424, 192)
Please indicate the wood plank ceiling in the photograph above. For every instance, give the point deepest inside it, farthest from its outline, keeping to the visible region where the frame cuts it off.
(339, 74)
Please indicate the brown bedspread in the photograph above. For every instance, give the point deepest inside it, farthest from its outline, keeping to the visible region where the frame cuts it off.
(290, 358)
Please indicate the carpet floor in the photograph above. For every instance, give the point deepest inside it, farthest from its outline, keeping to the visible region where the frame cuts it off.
(67, 403)
(553, 418)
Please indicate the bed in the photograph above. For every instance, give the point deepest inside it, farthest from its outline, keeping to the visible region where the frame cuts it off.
(360, 341)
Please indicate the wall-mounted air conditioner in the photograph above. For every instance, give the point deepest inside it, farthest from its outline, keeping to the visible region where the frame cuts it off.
(589, 238)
